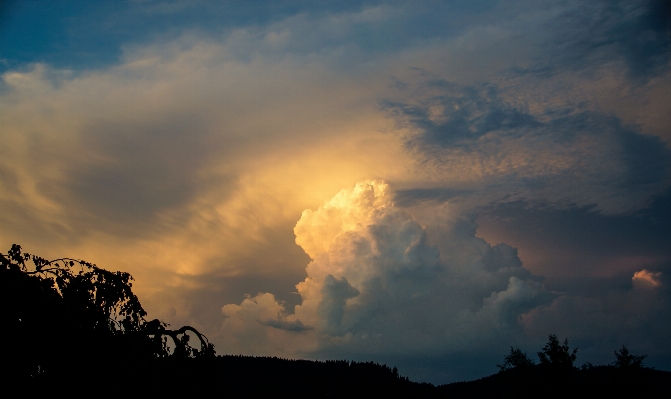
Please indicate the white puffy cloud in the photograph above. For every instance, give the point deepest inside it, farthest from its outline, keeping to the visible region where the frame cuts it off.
(376, 284)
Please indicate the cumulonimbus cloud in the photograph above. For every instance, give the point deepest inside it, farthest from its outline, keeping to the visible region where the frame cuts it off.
(376, 284)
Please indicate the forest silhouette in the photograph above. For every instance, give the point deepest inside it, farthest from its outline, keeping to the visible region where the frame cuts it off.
(69, 326)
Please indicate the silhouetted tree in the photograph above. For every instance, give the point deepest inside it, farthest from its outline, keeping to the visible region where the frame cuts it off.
(68, 317)
(626, 361)
(556, 355)
(556, 365)
(515, 359)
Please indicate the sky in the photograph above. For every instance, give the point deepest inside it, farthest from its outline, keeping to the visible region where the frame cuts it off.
(422, 184)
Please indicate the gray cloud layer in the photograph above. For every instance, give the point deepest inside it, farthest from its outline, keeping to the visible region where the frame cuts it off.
(566, 155)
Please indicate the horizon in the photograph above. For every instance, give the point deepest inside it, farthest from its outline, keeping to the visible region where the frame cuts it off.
(419, 184)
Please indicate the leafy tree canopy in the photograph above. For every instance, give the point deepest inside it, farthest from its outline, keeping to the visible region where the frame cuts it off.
(65, 316)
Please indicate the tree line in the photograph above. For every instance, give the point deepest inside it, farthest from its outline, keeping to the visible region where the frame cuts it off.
(555, 374)
(557, 356)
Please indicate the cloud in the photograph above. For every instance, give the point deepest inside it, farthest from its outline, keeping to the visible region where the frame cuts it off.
(281, 324)
(265, 310)
(487, 140)
(375, 285)
(335, 293)
(647, 279)
(637, 32)
(506, 306)
(179, 144)
(396, 283)
(258, 324)
(575, 247)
